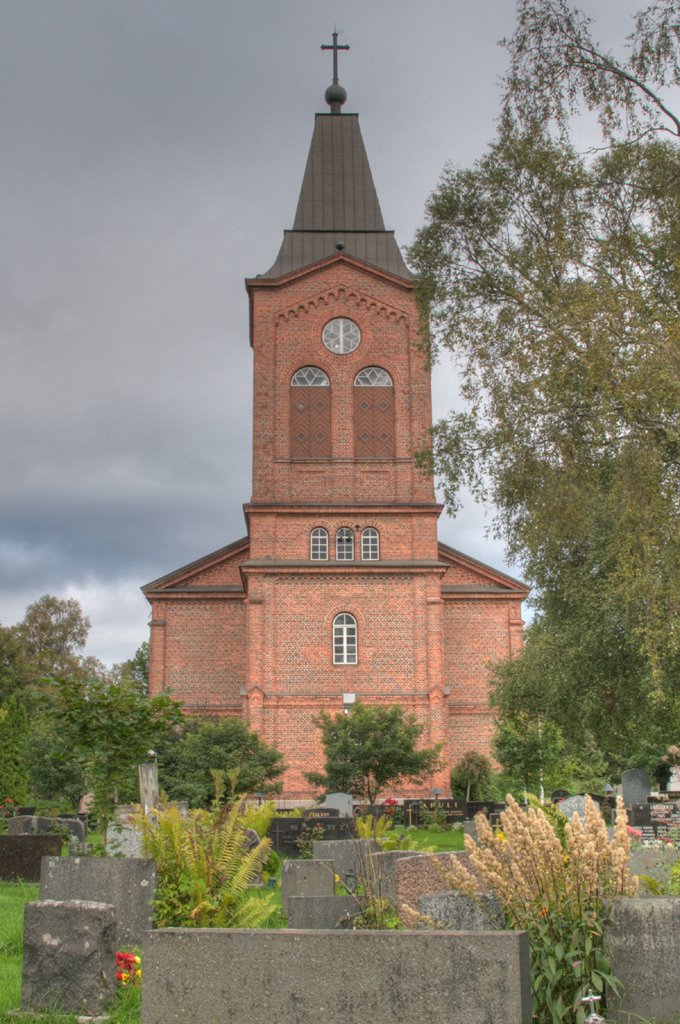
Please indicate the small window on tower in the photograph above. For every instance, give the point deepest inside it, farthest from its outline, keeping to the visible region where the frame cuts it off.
(341, 335)
(344, 545)
(344, 639)
(370, 545)
(319, 545)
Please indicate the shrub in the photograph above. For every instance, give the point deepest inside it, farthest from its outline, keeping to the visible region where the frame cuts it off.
(556, 893)
(204, 869)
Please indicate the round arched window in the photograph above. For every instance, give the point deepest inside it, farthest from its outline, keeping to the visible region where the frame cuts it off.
(341, 335)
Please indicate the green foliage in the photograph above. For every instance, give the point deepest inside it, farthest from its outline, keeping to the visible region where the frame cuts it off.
(471, 777)
(371, 748)
(259, 817)
(368, 826)
(136, 669)
(553, 279)
(53, 634)
(56, 771)
(187, 756)
(111, 728)
(674, 879)
(205, 870)
(14, 750)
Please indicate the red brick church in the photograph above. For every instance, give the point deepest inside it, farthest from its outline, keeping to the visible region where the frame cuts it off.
(340, 590)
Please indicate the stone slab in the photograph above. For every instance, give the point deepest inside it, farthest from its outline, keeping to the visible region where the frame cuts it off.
(635, 785)
(653, 863)
(458, 912)
(348, 855)
(306, 878)
(422, 874)
(342, 802)
(386, 977)
(123, 840)
(128, 885)
(37, 824)
(383, 878)
(69, 960)
(321, 912)
(644, 942)
(20, 856)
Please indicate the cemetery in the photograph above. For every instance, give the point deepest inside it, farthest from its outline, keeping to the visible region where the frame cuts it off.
(426, 924)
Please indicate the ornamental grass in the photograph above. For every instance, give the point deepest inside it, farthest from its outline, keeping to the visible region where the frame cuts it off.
(558, 891)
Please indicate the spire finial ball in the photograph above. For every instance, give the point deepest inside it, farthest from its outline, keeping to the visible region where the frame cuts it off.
(335, 94)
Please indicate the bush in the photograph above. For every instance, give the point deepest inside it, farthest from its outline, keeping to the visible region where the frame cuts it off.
(556, 892)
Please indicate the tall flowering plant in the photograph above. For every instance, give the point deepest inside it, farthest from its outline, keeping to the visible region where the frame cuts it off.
(556, 891)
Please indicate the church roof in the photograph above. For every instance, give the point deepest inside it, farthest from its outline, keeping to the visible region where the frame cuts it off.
(338, 208)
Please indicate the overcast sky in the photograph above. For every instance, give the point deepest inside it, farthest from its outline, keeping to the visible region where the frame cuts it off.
(152, 154)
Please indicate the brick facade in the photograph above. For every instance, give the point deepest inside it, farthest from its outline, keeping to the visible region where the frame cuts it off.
(248, 630)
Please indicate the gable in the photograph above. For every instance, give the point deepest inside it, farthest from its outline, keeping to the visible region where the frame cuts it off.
(220, 570)
(467, 574)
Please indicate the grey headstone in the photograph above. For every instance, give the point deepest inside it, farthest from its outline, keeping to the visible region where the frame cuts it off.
(574, 805)
(69, 958)
(128, 885)
(654, 864)
(644, 943)
(674, 780)
(148, 786)
(36, 824)
(458, 912)
(20, 856)
(341, 802)
(385, 977)
(123, 840)
(321, 912)
(348, 855)
(383, 878)
(635, 785)
(306, 878)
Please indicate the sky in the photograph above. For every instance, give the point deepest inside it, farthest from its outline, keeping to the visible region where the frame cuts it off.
(152, 154)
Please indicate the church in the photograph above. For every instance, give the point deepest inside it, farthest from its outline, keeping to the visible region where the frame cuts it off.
(340, 590)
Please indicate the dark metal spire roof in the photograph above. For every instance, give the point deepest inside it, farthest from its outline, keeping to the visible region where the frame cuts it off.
(338, 208)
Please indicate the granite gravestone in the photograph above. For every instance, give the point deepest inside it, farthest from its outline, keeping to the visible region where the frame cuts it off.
(342, 802)
(574, 805)
(20, 856)
(635, 785)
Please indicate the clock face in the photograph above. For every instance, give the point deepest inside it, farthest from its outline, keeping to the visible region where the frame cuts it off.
(341, 335)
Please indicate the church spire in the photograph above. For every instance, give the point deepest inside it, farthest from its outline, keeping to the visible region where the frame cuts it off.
(338, 208)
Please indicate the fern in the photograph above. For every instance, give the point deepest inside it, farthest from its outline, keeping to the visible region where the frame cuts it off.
(205, 870)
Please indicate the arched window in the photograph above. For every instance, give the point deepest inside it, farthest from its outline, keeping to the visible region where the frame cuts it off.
(373, 414)
(318, 544)
(344, 639)
(370, 544)
(344, 545)
(310, 414)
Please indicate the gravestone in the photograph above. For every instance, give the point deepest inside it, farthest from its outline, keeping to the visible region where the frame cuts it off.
(321, 812)
(459, 912)
(383, 880)
(635, 785)
(639, 815)
(673, 785)
(643, 938)
(148, 786)
(37, 824)
(321, 912)
(559, 794)
(69, 958)
(306, 878)
(213, 975)
(654, 864)
(342, 802)
(129, 885)
(20, 856)
(574, 805)
(286, 834)
(348, 855)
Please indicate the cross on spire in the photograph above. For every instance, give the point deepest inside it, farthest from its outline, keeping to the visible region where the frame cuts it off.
(334, 47)
(335, 94)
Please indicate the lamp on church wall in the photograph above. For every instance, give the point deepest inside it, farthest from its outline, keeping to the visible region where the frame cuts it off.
(348, 699)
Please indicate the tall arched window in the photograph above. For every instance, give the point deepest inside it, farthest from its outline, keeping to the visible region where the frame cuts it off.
(373, 414)
(344, 545)
(310, 414)
(344, 639)
(370, 544)
(318, 544)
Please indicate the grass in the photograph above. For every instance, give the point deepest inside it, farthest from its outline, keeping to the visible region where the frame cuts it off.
(452, 839)
(13, 896)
